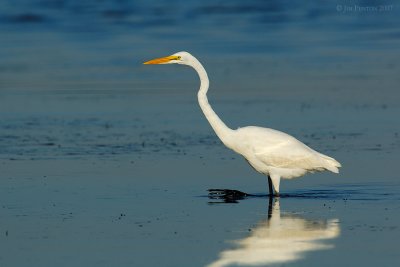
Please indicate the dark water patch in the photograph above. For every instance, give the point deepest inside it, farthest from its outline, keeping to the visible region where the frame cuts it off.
(48, 144)
(116, 13)
(26, 18)
(158, 22)
(9, 136)
(366, 141)
(373, 149)
(90, 136)
(350, 134)
(372, 228)
(52, 137)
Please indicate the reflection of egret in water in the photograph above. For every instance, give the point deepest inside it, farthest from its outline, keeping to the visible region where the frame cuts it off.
(280, 239)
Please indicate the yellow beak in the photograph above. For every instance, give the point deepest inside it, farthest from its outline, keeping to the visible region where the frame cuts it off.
(161, 60)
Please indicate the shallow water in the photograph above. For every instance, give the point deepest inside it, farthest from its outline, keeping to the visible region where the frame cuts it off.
(106, 162)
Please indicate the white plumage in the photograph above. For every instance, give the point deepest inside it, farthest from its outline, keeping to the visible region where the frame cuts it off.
(270, 152)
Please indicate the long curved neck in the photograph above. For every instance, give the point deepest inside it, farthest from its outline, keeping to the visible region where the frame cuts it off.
(223, 132)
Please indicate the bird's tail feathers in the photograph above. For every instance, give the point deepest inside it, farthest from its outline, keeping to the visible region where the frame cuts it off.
(331, 164)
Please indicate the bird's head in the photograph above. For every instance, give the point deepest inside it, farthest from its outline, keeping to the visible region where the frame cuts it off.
(178, 58)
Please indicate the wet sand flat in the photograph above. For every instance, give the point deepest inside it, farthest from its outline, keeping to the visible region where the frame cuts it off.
(108, 188)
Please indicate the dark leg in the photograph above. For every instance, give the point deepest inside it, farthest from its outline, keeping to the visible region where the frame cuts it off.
(270, 203)
(271, 190)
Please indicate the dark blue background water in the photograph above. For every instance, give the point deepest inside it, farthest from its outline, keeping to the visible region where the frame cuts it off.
(106, 161)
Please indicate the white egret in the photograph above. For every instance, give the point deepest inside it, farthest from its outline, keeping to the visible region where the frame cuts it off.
(270, 152)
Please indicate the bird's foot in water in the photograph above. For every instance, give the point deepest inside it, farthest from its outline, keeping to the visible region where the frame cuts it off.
(229, 195)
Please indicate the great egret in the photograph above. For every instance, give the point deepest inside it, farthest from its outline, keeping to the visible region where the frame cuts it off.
(270, 152)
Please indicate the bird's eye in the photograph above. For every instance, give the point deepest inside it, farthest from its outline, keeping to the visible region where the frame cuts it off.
(178, 57)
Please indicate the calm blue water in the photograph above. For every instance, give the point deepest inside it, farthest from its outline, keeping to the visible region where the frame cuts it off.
(106, 162)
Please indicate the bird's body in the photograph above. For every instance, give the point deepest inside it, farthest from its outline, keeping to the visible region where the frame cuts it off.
(278, 154)
(270, 152)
